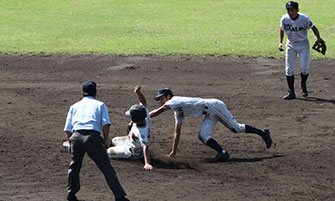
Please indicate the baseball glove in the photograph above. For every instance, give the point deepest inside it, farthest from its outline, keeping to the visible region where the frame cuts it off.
(320, 47)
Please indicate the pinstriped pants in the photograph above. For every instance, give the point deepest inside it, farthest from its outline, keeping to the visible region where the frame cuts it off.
(292, 50)
(217, 111)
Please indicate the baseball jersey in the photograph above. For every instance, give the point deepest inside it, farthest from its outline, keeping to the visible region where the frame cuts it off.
(296, 30)
(139, 134)
(87, 114)
(186, 107)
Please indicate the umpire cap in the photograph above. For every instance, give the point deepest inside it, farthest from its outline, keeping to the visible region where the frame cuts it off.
(163, 92)
(89, 88)
(137, 113)
(292, 5)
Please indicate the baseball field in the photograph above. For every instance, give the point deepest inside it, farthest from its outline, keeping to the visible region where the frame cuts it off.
(211, 49)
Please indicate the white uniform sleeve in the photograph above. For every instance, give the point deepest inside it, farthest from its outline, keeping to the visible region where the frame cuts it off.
(172, 103)
(143, 139)
(179, 117)
(310, 23)
(282, 22)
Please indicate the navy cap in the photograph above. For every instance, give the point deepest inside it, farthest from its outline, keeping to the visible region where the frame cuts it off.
(163, 92)
(137, 113)
(292, 5)
(90, 88)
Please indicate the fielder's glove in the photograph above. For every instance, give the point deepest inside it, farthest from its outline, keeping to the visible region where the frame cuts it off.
(320, 47)
(130, 125)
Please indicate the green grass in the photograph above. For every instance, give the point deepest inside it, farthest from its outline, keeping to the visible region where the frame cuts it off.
(123, 27)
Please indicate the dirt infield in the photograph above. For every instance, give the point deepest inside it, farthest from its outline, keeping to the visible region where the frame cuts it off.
(37, 91)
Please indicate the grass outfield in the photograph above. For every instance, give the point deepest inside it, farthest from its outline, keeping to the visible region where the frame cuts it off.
(123, 27)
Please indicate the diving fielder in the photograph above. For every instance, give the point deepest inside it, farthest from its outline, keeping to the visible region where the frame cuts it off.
(296, 26)
(214, 110)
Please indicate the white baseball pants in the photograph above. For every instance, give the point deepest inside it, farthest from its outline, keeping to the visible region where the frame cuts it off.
(292, 49)
(121, 148)
(217, 111)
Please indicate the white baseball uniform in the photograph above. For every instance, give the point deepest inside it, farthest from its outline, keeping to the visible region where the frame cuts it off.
(297, 42)
(213, 109)
(130, 146)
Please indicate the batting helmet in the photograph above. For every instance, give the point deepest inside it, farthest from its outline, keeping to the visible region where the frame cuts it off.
(292, 5)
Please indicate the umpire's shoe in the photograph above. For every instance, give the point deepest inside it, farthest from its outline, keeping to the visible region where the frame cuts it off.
(122, 199)
(222, 157)
(72, 198)
(267, 139)
(289, 96)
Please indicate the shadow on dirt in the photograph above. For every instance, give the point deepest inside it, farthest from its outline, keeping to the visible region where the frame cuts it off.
(245, 160)
(166, 163)
(315, 99)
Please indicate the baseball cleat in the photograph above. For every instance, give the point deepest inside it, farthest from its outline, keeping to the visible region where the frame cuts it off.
(222, 157)
(267, 139)
(304, 91)
(289, 96)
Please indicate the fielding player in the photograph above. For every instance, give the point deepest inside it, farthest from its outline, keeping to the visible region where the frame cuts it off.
(214, 110)
(296, 26)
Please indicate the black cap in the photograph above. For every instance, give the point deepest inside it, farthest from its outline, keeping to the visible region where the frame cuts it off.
(137, 113)
(90, 88)
(292, 5)
(163, 92)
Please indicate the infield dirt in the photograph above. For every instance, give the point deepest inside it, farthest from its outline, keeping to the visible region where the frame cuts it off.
(37, 91)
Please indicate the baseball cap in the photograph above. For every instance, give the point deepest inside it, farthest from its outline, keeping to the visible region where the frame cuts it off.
(137, 113)
(163, 92)
(90, 88)
(292, 4)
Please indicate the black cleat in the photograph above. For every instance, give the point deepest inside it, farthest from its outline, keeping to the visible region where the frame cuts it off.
(267, 139)
(304, 91)
(289, 96)
(222, 157)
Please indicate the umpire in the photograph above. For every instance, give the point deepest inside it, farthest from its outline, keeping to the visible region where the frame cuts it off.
(83, 125)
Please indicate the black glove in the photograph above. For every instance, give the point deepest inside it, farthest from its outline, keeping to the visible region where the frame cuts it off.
(320, 47)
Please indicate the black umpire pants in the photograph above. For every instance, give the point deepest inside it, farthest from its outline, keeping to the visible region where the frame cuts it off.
(91, 142)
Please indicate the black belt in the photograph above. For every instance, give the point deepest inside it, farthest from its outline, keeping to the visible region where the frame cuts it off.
(85, 132)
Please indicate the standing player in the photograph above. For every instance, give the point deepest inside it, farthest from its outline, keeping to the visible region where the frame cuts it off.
(296, 26)
(214, 111)
(135, 144)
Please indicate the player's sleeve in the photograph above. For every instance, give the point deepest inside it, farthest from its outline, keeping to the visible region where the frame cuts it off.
(104, 118)
(179, 117)
(68, 122)
(282, 22)
(143, 138)
(148, 122)
(172, 103)
(310, 23)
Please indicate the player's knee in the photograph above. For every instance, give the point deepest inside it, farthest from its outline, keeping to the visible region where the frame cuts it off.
(289, 73)
(203, 138)
(306, 72)
(240, 128)
(111, 151)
